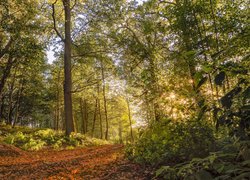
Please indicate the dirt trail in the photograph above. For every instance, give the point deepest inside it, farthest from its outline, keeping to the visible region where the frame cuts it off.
(103, 162)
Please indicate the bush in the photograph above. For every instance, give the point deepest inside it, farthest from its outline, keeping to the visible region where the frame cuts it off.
(228, 163)
(17, 139)
(172, 142)
(49, 136)
(34, 144)
(35, 139)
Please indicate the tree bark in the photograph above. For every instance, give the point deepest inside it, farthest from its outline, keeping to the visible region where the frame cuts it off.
(83, 116)
(6, 74)
(99, 111)
(67, 70)
(105, 101)
(20, 90)
(94, 119)
(57, 110)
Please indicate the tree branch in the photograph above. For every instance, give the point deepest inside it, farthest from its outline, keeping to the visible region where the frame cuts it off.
(167, 2)
(6, 48)
(73, 5)
(54, 22)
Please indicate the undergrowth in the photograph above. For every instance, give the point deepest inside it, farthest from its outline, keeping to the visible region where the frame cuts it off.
(231, 162)
(191, 151)
(36, 139)
(172, 142)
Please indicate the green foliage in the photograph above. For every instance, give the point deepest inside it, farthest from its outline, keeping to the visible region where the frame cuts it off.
(25, 141)
(34, 144)
(16, 138)
(38, 139)
(169, 141)
(225, 164)
(49, 136)
(235, 111)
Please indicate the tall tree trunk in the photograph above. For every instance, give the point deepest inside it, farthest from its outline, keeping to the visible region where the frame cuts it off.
(1, 107)
(20, 90)
(67, 70)
(154, 89)
(75, 125)
(94, 119)
(57, 116)
(99, 111)
(105, 101)
(130, 121)
(83, 116)
(6, 73)
(86, 115)
(10, 110)
(19, 94)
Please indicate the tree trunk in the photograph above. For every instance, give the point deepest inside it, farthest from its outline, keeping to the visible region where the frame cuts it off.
(99, 111)
(67, 70)
(1, 107)
(10, 110)
(57, 116)
(6, 73)
(130, 121)
(86, 115)
(105, 101)
(95, 114)
(20, 90)
(83, 116)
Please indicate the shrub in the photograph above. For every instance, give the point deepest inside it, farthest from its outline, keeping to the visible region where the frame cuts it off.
(39, 138)
(34, 144)
(168, 141)
(225, 164)
(49, 136)
(16, 139)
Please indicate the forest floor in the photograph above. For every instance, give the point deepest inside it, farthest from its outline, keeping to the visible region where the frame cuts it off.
(102, 162)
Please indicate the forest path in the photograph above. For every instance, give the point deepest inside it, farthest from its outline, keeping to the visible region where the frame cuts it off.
(102, 162)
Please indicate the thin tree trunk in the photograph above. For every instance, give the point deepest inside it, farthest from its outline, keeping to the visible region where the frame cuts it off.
(99, 111)
(75, 124)
(58, 101)
(105, 101)
(20, 90)
(10, 110)
(86, 115)
(83, 117)
(94, 119)
(130, 120)
(1, 107)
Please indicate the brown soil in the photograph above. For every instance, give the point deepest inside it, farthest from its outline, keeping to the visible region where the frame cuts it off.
(104, 162)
